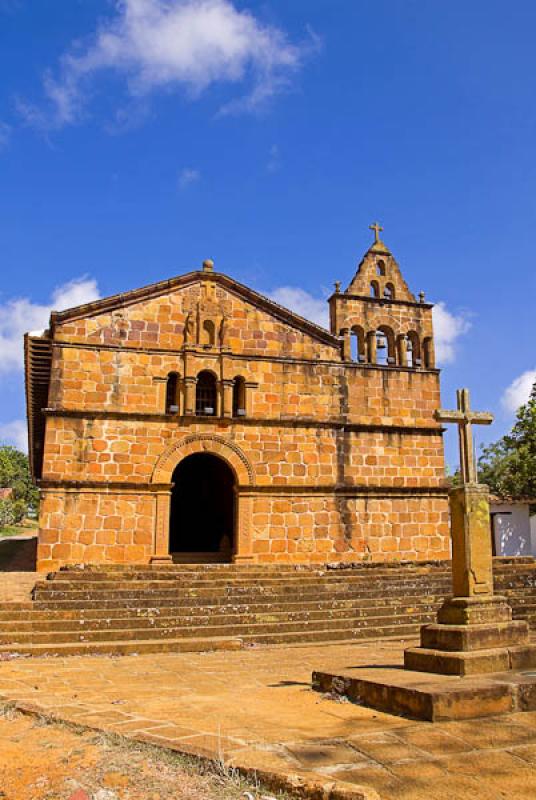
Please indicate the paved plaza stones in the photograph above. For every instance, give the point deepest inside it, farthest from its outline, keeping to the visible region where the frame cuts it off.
(256, 709)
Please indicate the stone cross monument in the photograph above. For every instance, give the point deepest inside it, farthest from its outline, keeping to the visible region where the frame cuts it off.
(474, 632)
(464, 418)
(469, 507)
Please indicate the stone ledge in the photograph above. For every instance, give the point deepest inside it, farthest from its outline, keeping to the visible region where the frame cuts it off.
(434, 698)
(185, 421)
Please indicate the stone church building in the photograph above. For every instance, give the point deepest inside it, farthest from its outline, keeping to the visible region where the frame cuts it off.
(197, 420)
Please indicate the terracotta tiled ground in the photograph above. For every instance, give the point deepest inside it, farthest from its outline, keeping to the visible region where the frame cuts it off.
(256, 708)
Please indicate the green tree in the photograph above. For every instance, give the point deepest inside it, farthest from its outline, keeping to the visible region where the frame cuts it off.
(509, 465)
(15, 474)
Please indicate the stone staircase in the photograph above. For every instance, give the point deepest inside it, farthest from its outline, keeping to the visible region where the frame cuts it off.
(187, 607)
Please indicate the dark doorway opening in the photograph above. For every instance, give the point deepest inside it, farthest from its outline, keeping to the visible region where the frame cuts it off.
(202, 518)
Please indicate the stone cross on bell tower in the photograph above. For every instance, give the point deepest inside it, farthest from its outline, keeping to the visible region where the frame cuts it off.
(377, 228)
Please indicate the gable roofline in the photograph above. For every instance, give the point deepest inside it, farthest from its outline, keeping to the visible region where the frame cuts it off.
(163, 287)
(379, 248)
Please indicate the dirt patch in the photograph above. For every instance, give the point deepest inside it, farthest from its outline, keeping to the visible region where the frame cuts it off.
(53, 762)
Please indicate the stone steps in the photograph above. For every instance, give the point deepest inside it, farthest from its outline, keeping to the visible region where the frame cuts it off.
(255, 588)
(229, 576)
(220, 604)
(124, 648)
(15, 629)
(121, 646)
(177, 607)
(240, 630)
(360, 606)
(42, 588)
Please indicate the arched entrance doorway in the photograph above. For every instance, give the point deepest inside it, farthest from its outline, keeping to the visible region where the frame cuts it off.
(202, 513)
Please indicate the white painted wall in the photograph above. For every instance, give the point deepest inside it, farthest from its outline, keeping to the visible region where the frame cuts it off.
(514, 533)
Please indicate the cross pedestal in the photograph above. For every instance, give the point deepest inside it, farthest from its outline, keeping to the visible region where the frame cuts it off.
(474, 632)
(475, 661)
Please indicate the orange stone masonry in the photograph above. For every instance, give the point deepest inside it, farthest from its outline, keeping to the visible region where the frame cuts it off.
(333, 447)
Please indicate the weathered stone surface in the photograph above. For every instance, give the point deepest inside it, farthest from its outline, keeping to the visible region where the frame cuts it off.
(474, 637)
(484, 640)
(472, 574)
(255, 707)
(475, 610)
(432, 697)
(443, 662)
(334, 460)
(120, 609)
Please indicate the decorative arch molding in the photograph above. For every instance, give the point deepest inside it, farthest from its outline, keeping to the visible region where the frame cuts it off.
(204, 443)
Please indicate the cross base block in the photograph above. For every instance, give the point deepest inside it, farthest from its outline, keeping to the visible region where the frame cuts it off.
(473, 636)
(475, 610)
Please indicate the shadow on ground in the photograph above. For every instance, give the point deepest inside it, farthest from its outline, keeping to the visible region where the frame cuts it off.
(18, 555)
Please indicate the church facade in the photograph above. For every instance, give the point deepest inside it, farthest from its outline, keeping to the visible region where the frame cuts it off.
(196, 419)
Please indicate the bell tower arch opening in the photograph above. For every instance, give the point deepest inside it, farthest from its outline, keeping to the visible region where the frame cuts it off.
(203, 507)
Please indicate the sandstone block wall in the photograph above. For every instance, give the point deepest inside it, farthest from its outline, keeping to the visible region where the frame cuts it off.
(333, 461)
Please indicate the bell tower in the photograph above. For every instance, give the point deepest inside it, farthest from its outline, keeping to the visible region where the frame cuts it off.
(378, 318)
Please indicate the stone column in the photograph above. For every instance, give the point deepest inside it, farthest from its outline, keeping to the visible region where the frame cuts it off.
(161, 536)
(402, 351)
(243, 538)
(181, 391)
(472, 573)
(227, 392)
(346, 344)
(189, 396)
(371, 347)
(429, 352)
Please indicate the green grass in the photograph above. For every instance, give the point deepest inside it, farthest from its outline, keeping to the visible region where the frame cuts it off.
(16, 530)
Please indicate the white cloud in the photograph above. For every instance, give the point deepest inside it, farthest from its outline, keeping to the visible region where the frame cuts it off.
(447, 330)
(187, 176)
(20, 315)
(517, 394)
(303, 303)
(173, 44)
(75, 293)
(15, 433)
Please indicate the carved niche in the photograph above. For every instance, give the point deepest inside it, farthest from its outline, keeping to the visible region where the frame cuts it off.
(206, 312)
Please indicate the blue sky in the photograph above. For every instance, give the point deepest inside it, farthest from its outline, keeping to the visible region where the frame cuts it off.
(139, 137)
